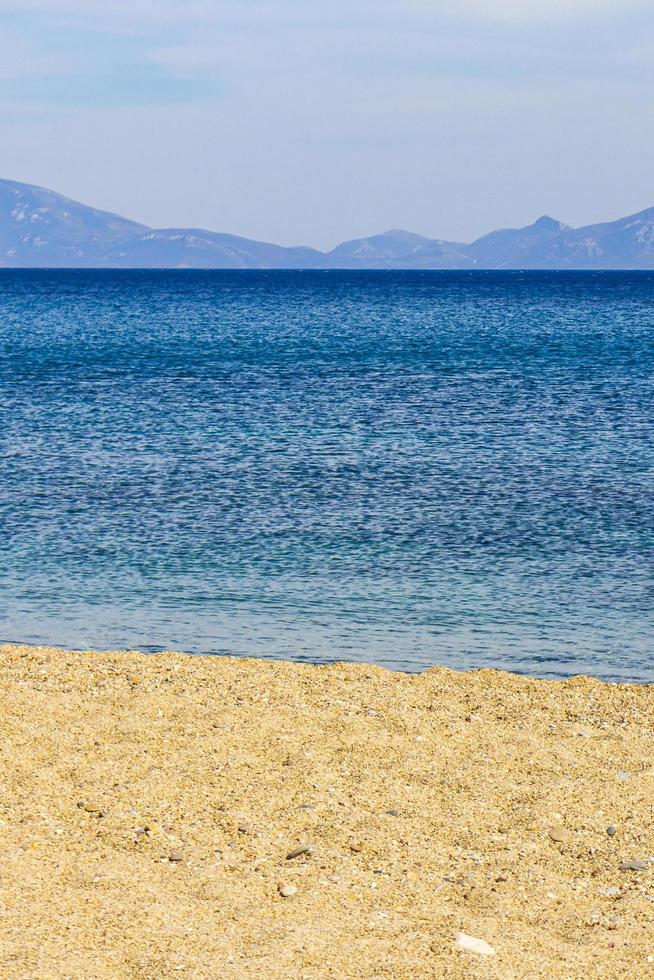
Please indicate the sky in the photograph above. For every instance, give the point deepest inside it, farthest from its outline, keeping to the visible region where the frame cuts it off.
(310, 123)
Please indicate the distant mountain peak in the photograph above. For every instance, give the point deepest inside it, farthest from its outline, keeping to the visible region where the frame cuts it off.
(42, 229)
(401, 233)
(547, 223)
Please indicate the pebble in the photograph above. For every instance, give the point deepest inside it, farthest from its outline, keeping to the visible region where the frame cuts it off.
(612, 830)
(634, 866)
(393, 813)
(612, 892)
(297, 851)
(624, 776)
(286, 891)
(244, 828)
(472, 945)
(91, 808)
(559, 834)
(175, 857)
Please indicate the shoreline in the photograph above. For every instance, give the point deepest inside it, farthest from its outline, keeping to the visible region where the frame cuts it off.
(321, 663)
(481, 802)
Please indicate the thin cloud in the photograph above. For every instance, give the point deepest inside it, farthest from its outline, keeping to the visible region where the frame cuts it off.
(521, 11)
(215, 11)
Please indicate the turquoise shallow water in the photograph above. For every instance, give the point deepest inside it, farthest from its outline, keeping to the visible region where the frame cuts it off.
(407, 468)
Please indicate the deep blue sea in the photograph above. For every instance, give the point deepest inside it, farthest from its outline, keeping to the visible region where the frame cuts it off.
(407, 468)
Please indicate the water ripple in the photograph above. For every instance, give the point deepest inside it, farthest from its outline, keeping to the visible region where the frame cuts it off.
(407, 468)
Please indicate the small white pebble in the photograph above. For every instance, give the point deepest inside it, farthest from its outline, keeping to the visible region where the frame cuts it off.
(286, 891)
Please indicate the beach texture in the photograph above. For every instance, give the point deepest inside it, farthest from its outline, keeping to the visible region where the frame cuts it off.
(168, 816)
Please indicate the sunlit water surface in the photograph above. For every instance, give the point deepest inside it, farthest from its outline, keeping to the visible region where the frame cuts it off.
(405, 468)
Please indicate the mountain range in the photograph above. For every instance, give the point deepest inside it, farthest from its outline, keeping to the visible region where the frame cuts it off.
(42, 229)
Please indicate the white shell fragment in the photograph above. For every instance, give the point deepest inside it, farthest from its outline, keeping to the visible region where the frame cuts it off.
(472, 945)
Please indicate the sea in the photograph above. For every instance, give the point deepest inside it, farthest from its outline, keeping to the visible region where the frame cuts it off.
(401, 468)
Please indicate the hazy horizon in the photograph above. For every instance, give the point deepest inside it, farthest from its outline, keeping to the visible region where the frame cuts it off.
(310, 127)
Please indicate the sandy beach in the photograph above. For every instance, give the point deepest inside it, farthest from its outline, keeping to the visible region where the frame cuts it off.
(168, 816)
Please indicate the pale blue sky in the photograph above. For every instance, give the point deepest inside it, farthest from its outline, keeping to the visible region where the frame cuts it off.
(301, 122)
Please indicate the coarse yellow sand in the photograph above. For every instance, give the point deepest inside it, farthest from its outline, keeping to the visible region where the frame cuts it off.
(428, 803)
